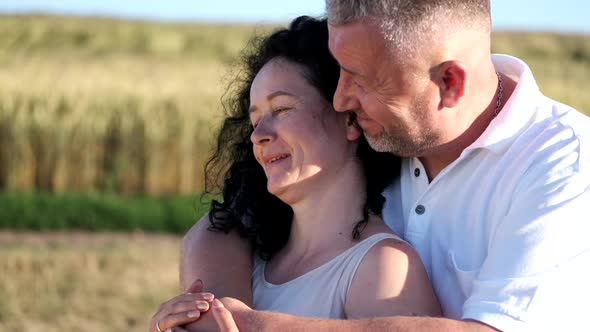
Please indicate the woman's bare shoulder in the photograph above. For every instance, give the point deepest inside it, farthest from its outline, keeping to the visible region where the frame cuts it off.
(390, 280)
(376, 225)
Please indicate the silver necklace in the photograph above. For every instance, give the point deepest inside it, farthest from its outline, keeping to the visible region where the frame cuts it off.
(499, 99)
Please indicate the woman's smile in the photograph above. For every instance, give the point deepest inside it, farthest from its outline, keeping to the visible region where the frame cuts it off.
(276, 160)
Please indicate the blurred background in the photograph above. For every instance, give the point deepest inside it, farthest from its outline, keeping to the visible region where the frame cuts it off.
(107, 111)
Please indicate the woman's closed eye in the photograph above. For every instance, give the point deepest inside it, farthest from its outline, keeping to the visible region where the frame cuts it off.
(254, 122)
(280, 110)
(275, 112)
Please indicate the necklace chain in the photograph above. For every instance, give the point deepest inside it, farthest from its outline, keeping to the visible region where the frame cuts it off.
(499, 99)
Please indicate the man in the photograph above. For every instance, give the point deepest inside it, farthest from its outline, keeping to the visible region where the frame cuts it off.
(495, 187)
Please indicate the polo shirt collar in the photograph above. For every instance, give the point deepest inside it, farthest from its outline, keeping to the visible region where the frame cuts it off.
(518, 110)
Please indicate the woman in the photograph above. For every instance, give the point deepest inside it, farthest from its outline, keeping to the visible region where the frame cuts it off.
(302, 185)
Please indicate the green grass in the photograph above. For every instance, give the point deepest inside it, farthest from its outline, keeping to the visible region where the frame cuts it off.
(98, 212)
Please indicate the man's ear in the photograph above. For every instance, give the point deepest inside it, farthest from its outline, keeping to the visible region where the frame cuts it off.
(353, 130)
(452, 83)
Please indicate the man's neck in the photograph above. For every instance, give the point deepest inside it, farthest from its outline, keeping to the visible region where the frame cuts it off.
(438, 158)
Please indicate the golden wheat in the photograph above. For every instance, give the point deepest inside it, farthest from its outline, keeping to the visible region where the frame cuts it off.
(130, 107)
(143, 126)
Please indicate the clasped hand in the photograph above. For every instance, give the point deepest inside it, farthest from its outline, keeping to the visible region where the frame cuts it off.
(195, 311)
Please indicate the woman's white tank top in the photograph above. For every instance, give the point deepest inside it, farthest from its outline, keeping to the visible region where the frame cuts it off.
(320, 292)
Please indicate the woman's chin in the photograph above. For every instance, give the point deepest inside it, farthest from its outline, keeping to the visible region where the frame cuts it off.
(275, 188)
(280, 190)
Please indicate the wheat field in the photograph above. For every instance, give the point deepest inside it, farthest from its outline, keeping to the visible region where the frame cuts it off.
(109, 105)
(130, 107)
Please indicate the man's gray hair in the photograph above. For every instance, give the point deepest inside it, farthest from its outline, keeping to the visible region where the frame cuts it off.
(406, 11)
(404, 21)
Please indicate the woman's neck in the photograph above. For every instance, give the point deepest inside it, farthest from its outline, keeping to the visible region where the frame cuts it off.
(327, 213)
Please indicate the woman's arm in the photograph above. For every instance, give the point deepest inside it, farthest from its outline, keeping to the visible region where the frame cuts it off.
(222, 261)
(391, 281)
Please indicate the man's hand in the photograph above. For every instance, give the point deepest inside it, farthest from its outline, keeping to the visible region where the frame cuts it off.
(219, 317)
(223, 317)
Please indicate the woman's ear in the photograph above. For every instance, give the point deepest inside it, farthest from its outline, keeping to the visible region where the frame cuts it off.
(353, 131)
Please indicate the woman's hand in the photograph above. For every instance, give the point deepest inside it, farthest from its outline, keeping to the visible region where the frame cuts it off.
(182, 309)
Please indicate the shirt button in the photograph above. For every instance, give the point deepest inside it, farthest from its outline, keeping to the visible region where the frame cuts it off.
(420, 209)
(417, 172)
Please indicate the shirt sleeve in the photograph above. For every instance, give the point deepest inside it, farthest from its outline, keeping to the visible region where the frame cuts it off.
(537, 271)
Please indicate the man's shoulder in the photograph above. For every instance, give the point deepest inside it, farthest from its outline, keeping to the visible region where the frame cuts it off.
(552, 153)
(566, 115)
(555, 128)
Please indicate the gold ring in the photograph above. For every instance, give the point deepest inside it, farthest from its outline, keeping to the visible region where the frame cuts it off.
(158, 326)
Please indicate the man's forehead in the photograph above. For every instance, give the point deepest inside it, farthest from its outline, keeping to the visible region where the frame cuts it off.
(356, 29)
(340, 35)
(353, 37)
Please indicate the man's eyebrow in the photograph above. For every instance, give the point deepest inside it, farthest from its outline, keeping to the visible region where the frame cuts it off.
(350, 71)
(275, 94)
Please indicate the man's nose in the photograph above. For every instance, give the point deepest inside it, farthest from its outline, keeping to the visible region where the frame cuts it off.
(345, 99)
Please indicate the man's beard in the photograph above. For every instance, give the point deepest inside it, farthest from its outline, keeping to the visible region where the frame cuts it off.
(403, 147)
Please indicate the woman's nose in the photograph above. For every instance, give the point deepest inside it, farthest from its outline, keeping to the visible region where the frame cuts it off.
(263, 133)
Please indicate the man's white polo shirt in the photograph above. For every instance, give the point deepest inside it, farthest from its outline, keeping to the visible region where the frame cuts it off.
(504, 230)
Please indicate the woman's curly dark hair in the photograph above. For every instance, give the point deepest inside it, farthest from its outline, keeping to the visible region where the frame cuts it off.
(247, 206)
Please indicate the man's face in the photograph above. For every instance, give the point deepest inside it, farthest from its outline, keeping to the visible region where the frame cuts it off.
(394, 101)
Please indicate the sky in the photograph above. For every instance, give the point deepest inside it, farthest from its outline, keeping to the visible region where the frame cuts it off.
(546, 15)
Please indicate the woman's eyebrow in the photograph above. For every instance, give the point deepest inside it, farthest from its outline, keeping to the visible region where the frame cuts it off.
(270, 96)
(279, 93)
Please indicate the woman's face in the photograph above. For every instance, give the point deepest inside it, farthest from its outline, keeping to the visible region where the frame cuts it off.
(297, 135)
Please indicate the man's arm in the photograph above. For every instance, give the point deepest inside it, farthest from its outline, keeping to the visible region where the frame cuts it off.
(222, 261)
(251, 320)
